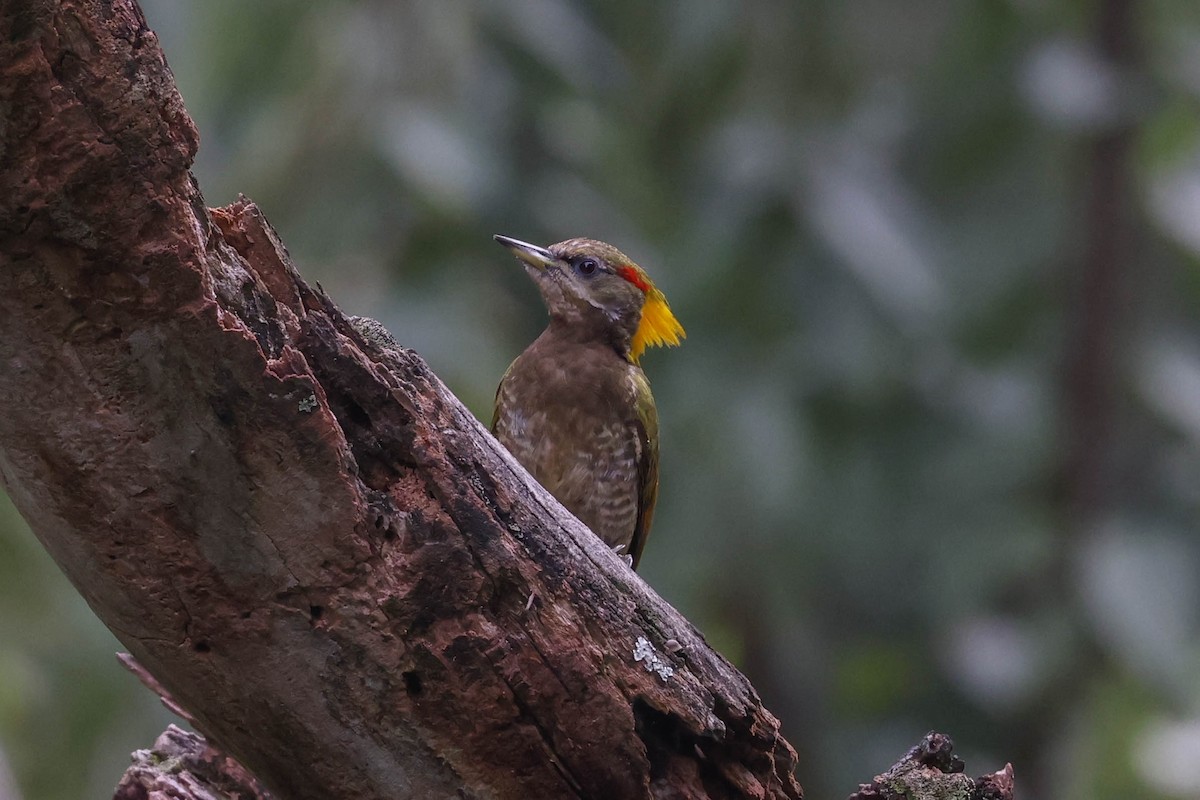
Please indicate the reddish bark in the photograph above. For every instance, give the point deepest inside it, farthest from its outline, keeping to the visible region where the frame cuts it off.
(301, 534)
(305, 540)
(932, 771)
(182, 766)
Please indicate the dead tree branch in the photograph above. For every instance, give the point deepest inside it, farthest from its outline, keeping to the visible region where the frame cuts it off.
(182, 766)
(304, 536)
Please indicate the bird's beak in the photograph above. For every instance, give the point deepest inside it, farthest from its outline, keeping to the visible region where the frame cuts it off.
(531, 254)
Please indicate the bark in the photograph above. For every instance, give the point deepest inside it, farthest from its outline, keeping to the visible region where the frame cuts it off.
(182, 766)
(932, 771)
(300, 533)
(309, 546)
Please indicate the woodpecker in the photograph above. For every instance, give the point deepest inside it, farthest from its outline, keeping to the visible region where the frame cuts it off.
(575, 408)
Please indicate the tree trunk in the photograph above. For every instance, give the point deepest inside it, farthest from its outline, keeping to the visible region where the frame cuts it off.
(293, 525)
(304, 536)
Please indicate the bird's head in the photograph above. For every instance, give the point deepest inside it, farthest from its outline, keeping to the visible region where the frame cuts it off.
(593, 286)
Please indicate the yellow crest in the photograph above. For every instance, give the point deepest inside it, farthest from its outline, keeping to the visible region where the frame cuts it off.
(658, 326)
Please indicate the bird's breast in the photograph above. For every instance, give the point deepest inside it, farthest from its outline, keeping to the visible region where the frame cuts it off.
(571, 421)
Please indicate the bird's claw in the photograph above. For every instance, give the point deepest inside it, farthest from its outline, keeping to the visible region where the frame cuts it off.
(628, 559)
(624, 557)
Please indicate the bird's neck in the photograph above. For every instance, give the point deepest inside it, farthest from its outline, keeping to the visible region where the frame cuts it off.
(590, 330)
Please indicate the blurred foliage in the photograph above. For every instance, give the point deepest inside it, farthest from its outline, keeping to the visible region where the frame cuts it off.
(872, 219)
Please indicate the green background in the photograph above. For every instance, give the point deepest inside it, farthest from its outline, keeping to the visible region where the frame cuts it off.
(931, 451)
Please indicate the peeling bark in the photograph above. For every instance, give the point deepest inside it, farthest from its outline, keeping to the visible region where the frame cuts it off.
(299, 532)
(310, 548)
(182, 766)
(932, 771)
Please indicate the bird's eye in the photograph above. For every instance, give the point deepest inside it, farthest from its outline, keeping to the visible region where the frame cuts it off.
(587, 266)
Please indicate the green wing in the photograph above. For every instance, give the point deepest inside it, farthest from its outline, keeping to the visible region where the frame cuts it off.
(647, 432)
(496, 400)
(495, 410)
